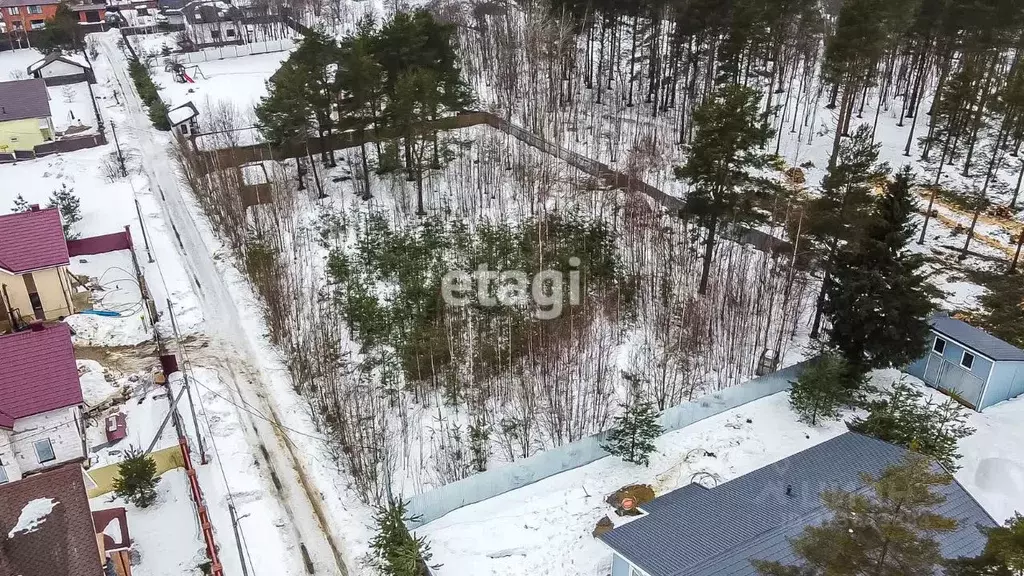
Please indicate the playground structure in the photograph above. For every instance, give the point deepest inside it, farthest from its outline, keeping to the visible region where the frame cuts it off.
(184, 74)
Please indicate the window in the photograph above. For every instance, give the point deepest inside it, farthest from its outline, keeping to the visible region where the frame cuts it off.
(14, 10)
(142, 11)
(215, 34)
(35, 9)
(38, 24)
(231, 32)
(44, 451)
(967, 361)
(18, 25)
(939, 346)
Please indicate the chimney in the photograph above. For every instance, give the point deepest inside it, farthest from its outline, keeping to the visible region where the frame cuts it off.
(789, 490)
(37, 326)
(33, 207)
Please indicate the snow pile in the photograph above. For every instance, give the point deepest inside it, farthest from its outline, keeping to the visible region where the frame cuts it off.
(92, 330)
(32, 515)
(95, 388)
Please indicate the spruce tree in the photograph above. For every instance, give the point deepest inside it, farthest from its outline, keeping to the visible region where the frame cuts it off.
(838, 215)
(394, 550)
(136, 478)
(633, 434)
(731, 133)
(68, 205)
(889, 530)
(821, 389)
(901, 416)
(879, 298)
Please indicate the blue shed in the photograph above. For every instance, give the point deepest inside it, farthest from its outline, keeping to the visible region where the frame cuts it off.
(698, 531)
(979, 368)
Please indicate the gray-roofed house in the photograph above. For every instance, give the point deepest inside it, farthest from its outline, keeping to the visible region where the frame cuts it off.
(212, 23)
(24, 115)
(698, 531)
(980, 369)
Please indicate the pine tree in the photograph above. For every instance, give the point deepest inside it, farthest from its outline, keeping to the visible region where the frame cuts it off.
(901, 416)
(633, 434)
(821, 389)
(60, 32)
(879, 298)
(1006, 544)
(360, 79)
(394, 551)
(1003, 554)
(136, 478)
(68, 205)
(730, 135)
(283, 115)
(888, 531)
(838, 216)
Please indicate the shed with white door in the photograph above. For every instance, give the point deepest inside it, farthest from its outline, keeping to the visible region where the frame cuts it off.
(975, 366)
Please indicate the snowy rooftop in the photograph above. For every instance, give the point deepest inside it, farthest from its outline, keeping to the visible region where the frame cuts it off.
(182, 113)
(48, 525)
(717, 531)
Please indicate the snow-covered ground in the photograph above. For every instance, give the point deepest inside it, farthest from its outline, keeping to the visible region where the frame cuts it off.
(241, 81)
(71, 108)
(166, 535)
(14, 63)
(545, 528)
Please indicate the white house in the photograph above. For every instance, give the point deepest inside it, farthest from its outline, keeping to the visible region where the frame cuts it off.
(57, 69)
(41, 423)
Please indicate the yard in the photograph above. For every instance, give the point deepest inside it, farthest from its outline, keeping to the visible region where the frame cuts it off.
(545, 528)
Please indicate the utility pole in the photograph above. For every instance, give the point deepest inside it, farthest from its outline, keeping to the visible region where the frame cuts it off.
(120, 156)
(238, 538)
(142, 225)
(188, 388)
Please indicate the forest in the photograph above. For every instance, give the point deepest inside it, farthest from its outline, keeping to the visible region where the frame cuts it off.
(787, 117)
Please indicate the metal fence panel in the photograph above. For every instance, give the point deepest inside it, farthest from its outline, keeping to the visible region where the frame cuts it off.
(436, 503)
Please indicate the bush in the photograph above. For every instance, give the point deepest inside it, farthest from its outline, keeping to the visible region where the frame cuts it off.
(136, 478)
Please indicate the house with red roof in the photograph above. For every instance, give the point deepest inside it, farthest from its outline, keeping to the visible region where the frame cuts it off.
(47, 528)
(34, 280)
(41, 422)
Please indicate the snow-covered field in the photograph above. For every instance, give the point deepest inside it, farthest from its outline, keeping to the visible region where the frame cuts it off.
(545, 528)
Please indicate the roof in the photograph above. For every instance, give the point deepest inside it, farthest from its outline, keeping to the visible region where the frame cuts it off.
(208, 11)
(183, 113)
(32, 240)
(64, 542)
(38, 373)
(697, 531)
(112, 523)
(21, 99)
(57, 56)
(976, 339)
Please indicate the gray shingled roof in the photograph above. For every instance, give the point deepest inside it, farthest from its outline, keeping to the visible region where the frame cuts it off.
(696, 531)
(23, 99)
(977, 339)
